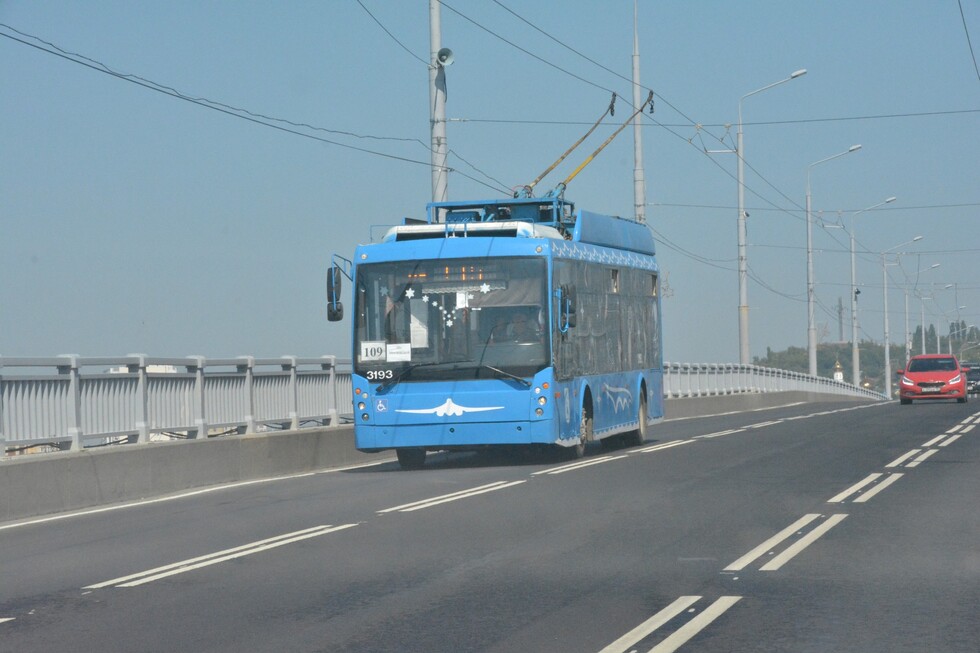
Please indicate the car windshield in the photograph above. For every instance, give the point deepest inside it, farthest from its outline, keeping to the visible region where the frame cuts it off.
(933, 365)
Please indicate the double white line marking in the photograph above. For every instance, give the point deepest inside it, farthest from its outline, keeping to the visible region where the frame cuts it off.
(151, 575)
(791, 551)
(579, 465)
(682, 634)
(866, 496)
(454, 496)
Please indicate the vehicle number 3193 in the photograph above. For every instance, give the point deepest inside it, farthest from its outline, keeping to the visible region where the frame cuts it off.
(379, 375)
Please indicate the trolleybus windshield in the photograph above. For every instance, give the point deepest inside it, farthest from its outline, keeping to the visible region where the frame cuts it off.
(451, 319)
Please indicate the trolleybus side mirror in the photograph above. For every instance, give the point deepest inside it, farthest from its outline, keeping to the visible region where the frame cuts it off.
(566, 308)
(571, 307)
(335, 309)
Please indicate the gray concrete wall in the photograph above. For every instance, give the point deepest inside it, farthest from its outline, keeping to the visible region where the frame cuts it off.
(51, 483)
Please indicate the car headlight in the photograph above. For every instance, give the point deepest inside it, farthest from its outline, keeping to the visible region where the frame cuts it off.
(907, 381)
(956, 379)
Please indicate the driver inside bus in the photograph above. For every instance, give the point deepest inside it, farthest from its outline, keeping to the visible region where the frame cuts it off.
(522, 330)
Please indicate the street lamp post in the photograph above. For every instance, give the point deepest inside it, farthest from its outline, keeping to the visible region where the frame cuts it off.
(743, 292)
(884, 279)
(922, 310)
(949, 327)
(855, 351)
(811, 317)
(915, 291)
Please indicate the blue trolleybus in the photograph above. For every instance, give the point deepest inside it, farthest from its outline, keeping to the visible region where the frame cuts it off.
(503, 322)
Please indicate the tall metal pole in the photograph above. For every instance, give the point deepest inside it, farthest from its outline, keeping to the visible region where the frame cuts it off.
(922, 318)
(743, 270)
(888, 360)
(855, 361)
(437, 107)
(855, 351)
(811, 331)
(639, 183)
(908, 334)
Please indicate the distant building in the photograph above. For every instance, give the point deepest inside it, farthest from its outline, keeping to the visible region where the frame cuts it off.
(838, 372)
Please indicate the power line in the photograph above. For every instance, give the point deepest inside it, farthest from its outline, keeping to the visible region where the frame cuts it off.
(968, 41)
(762, 208)
(698, 127)
(393, 38)
(797, 121)
(287, 126)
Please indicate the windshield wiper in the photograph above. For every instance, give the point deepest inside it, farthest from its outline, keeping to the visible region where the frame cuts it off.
(405, 373)
(507, 374)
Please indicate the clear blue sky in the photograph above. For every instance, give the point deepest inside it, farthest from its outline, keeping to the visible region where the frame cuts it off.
(134, 221)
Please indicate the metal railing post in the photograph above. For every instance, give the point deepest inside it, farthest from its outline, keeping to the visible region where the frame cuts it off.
(74, 400)
(330, 363)
(3, 437)
(290, 366)
(200, 406)
(142, 397)
(248, 368)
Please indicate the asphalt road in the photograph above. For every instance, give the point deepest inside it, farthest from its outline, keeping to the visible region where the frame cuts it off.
(816, 527)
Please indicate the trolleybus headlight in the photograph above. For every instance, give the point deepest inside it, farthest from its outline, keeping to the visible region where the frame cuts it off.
(365, 417)
(361, 406)
(539, 412)
(542, 400)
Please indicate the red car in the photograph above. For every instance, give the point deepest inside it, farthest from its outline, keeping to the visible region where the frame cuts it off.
(933, 376)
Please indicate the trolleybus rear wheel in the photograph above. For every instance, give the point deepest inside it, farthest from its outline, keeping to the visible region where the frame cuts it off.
(585, 432)
(639, 436)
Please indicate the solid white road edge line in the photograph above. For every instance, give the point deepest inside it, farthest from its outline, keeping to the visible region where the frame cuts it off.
(184, 495)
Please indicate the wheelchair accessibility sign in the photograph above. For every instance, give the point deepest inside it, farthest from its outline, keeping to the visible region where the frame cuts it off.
(381, 406)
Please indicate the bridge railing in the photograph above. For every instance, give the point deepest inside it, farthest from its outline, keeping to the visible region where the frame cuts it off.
(714, 379)
(71, 401)
(74, 402)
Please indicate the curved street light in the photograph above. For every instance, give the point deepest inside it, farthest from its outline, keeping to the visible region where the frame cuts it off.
(855, 350)
(884, 277)
(811, 341)
(743, 292)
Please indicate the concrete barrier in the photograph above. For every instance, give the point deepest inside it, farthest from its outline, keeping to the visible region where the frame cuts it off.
(48, 483)
(43, 484)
